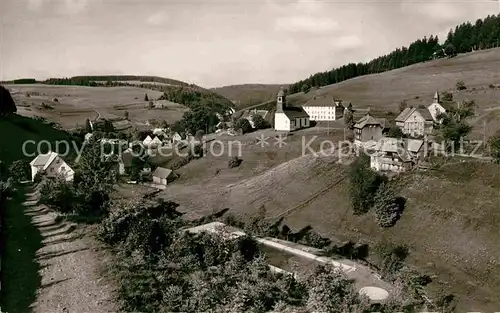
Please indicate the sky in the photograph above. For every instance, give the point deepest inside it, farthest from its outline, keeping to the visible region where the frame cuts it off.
(214, 43)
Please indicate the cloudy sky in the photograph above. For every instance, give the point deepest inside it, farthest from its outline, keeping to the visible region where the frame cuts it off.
(214, 43)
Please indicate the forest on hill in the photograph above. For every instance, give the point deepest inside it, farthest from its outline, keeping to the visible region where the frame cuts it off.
(484, 34)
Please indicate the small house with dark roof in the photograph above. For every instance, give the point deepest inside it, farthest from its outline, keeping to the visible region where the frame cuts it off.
(368, 128)
(322, 108)
(163, 176)
(289, 118)
(415, 122)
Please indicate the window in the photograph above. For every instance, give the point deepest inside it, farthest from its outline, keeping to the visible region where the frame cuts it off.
(51, 170)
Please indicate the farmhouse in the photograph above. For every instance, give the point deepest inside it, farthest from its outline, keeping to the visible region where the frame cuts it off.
(249, 115)
(321, 108)
(147, 141)
(368, 129)
(397, 155)
(289, 118)
(415, 122)
(163, 176)
(51, 164)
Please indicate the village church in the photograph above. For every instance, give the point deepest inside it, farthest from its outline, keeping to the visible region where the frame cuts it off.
(289, 118)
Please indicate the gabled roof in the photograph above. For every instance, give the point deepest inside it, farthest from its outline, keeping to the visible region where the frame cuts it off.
(413, 145)
(162, 172)
(403, 116)
(156, 140)
(44, 160)
(295, 112)
(323, 101)
(393, 145)
(148, 139)
(248, 114)
(369, 120)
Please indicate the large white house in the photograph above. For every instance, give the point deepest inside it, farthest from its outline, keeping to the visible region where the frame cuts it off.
(321, 108)
(53, 165)
(289, 118)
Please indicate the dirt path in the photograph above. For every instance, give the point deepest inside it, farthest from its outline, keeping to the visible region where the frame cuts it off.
(69, 267)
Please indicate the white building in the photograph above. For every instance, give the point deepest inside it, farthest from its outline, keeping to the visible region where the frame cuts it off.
(147, 141)
(163, 176)
(435, 109)
(321, 108)
(289, 118)
(53, 165)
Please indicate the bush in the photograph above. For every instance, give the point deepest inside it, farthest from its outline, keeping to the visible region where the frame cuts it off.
(461, 85)
(395, 132)
(259, 122)
(364, 183)
(234, 162)
(20, 170)
(244, 125)
(491, 86)
(55, 100)
(386, 207)
(402, 105)
(447, 96)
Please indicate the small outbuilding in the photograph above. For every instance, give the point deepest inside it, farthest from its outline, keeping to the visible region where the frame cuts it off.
(163, 176)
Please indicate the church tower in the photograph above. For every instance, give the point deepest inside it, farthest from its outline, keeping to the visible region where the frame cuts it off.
(436, 97)
(281, 101)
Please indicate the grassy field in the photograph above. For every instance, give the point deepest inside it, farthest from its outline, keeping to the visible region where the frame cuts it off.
(77, 103)
(248, 94)
(18, 129)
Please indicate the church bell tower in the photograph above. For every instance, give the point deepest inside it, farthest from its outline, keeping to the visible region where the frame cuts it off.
(281, 101)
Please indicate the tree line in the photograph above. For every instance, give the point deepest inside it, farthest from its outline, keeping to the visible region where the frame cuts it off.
(484, 34)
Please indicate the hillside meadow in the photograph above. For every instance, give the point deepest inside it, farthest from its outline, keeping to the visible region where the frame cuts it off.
(449, 223)
(75, 104)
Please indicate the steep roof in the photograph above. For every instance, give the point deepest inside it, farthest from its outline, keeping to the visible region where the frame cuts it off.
(295, 112)
(413, 145)
(403, 116)
(369, 120)
(44, 159)
(162, 172)
(393, 145)
(323, 101)
(281, 93)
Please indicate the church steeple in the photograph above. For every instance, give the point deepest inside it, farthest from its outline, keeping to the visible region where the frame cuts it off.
(281, 101)
(436, 97)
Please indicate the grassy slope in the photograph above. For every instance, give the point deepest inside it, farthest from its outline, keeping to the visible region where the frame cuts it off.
(248, 94)
(450, 221)
(416, 84)
(18, 129)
